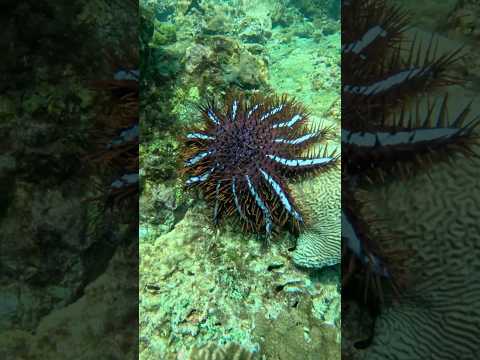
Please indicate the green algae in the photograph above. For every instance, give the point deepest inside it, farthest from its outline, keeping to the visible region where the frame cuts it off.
(163, 34)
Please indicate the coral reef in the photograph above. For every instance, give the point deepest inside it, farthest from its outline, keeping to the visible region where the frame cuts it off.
(204, 287)
(222, 61)
(100, 324)
(318, 85)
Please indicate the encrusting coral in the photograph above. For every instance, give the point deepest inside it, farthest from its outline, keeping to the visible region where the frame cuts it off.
(319, 245)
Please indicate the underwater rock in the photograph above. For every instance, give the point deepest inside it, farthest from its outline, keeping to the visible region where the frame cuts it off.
(160, 208)
(325, 27)
(255, 49)
(9, 303)
(196, 58)
(15, 345)
(188, 298)
(312, 9)
(8, 164)
(318, 60)
(200, 285)
(319, 245)
(224, 61)
(42, 229)
(255, 30)
(284, 16)
(45, 238)
(163, 34)
(296, 335)
(217, 25)
(249, 71)
(89, 327)
(303, 30)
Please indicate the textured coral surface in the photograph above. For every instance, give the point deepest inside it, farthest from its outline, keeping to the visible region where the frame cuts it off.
(439, 213)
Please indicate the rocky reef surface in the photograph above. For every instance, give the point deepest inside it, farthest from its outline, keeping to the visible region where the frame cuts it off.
(207, 291)
(58, 295)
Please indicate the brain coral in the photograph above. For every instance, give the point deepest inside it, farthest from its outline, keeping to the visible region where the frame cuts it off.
(320, 244)
(231, 351)
(438, 317)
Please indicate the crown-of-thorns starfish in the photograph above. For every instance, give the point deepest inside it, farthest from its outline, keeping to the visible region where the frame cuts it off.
(244, 154)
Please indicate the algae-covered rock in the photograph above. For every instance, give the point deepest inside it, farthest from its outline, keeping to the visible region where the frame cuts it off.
(87, 328)
(199, 285)
(43, 245)
(49, 257)
(296, 335)
(7, 110)
(255, 30)
(319, 61)
(217, 25)
(315, 8)
(163, 34)
(224, 61)
(247, 70)
(197, 58)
